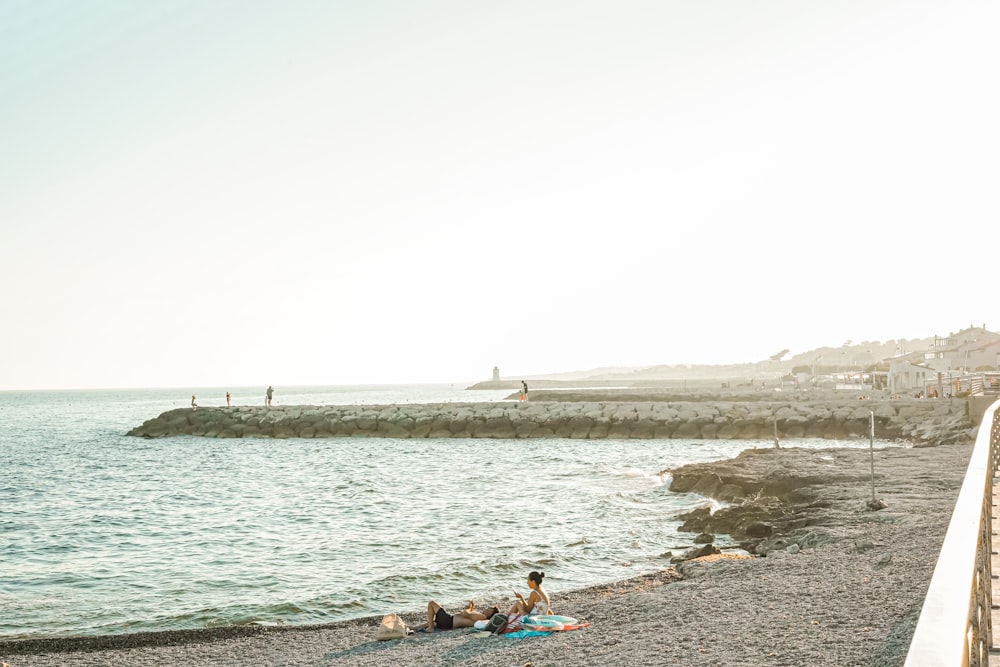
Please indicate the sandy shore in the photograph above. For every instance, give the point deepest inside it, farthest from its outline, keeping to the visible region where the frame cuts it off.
(851, 600)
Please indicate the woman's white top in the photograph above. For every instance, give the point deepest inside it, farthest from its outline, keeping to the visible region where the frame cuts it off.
(541, 607)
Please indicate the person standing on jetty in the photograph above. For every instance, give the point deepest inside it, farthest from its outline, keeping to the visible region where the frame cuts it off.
(227, 399)
(267, 396)
(194, 405)
(524, 390)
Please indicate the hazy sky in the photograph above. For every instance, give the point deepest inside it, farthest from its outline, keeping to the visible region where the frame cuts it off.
(251, 193)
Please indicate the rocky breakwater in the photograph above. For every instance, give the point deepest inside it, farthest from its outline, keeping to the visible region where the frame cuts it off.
(932, 422)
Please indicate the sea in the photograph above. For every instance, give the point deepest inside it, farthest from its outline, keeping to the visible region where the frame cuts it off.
(101, 533)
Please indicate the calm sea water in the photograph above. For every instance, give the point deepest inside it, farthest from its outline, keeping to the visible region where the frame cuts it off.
(103, 534)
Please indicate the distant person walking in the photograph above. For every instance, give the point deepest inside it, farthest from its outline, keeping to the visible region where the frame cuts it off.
(227, 399)
(270, 393)
(194, 404)
(524, 390)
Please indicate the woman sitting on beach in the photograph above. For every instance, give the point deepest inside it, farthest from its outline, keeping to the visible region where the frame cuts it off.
(438, 618)
(537, 602)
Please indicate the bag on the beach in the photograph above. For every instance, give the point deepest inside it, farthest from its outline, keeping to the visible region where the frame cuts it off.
(497, 623)
(392, 628)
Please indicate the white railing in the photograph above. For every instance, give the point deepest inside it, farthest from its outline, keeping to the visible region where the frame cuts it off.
(955, 627)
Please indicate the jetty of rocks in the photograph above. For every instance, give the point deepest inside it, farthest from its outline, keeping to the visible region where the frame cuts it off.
(919, 420)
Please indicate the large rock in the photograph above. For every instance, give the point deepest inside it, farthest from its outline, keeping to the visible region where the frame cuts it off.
(697, 552)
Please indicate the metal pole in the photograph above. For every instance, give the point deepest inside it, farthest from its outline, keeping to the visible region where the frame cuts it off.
(871, 448)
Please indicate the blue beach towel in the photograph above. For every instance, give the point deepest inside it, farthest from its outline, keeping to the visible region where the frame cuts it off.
(526, 633)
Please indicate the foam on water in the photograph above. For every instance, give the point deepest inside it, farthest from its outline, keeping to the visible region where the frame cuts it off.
(100, 533)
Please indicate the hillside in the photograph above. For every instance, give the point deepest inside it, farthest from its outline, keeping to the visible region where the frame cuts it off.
(848, 356)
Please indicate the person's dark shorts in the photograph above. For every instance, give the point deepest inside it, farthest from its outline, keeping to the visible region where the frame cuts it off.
(443, 620)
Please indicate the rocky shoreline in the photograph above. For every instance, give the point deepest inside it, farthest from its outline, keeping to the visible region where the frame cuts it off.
(841, 584)
(920, 421)
(775, 498)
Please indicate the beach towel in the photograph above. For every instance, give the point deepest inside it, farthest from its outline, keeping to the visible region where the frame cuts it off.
(519, 634)
(530, 626)
(514, 622)
(551, 623)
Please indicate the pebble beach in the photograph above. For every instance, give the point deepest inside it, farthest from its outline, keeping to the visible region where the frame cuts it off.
(850, 596)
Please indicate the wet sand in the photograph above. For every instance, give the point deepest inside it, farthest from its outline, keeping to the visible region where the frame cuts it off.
(852, 599)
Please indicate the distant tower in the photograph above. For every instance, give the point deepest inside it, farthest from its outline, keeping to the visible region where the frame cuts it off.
(496, 374)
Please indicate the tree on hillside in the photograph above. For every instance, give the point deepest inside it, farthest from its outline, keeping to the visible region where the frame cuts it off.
(779, 356)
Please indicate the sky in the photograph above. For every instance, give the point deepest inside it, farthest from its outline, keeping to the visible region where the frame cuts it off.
(243, 193)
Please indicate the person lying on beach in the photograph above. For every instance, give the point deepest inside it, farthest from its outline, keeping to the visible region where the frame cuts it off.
(538, 601)
(438, 618)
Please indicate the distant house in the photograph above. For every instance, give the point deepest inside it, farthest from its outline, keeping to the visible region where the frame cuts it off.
(906, 376)
(966, 351)
(983, 355)
(949, 357)
(853, 380)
